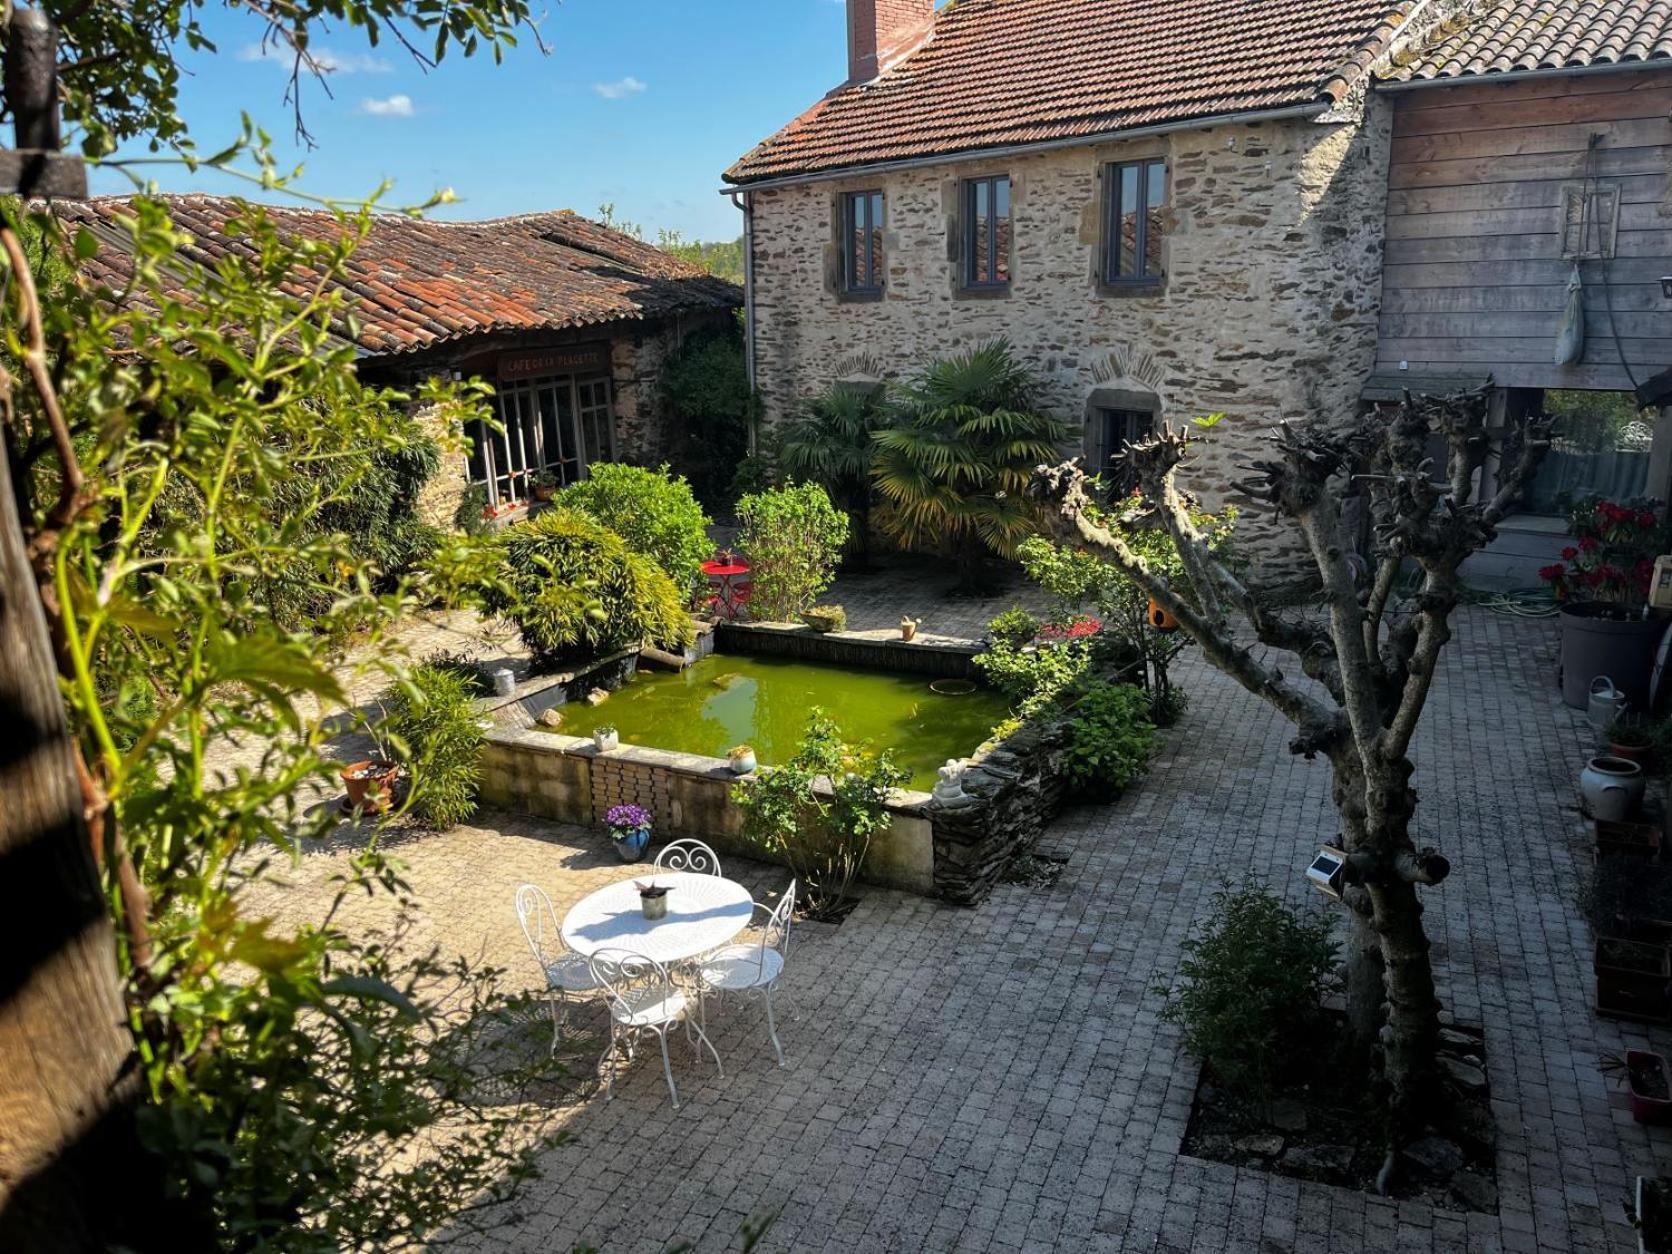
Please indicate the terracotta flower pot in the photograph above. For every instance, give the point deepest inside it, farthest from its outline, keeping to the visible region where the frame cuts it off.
(370, 784)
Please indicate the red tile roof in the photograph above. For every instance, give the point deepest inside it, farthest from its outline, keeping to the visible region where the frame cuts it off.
(1520, 35)
(1000, 72)
(418, 283)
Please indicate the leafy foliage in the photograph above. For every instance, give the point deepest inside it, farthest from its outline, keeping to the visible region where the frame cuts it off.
(432, 721)
(832, 443)
(120, 80)
(1613, 554)
(793, 538)
(1251, 987)
(706, 384)
(653, 511)
(964, 441)
(1111, 738)
(574, 588)
(1031, 672)
(820, 811)
(290, 1075)
(1076, 580)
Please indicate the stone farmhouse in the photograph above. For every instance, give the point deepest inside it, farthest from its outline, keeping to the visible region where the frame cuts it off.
(570, 320)
(1174, 208)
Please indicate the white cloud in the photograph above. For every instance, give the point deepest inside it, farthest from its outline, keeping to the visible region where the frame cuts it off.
(397, 106)
(620, 89)
(328, 61)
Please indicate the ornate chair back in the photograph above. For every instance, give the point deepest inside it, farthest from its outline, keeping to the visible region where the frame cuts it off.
(688, 855)
(539, 924)
(630, 981)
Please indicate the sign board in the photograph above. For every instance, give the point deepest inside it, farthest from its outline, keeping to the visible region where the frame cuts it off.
(572, 359)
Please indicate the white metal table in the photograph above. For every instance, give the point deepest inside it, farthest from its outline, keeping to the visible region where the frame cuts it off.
(704, 912)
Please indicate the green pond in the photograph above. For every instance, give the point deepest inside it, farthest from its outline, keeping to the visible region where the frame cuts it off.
(765, 702)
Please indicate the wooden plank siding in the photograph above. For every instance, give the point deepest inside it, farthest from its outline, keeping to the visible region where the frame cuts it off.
(1473, 279)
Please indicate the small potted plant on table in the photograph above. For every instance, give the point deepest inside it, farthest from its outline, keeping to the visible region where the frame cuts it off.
(630, 829)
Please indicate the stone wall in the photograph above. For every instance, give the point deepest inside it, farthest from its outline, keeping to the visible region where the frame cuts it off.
(1269, 308)
(1014, 790)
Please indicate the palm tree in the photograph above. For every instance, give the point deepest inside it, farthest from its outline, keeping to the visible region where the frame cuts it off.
(964, 441)
(832, 444)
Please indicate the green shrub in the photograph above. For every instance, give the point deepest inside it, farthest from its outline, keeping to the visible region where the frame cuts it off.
(471, 515)
(706, 385)
(1111, 739)
(1030, 672)
(433, 726)
(653, 511)
(574, 587)
(1251, 986)
(819, 811)
(793, 538)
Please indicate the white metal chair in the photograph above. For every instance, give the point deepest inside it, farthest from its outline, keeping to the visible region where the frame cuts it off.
(567, 974)
(643, 998)
(688, 855)
(754, 966)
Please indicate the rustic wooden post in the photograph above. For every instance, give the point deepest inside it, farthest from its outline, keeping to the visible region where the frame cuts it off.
(72, 1173)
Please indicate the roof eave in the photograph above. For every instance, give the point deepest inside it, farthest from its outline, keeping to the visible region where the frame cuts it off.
(1306, 109)
(1512, 76)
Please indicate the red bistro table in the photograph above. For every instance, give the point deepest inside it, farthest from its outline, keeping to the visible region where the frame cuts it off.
(731, 594)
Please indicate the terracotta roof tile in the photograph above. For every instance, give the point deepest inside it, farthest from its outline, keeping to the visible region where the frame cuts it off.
(1000, 72)
(418, 283)
(1507, 36)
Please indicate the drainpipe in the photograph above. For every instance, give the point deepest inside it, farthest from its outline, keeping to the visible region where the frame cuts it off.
(745, 202)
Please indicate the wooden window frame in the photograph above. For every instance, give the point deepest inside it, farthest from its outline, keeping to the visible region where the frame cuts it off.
(872, 198)
(1144, 280)
(968, 280)
(521, 435)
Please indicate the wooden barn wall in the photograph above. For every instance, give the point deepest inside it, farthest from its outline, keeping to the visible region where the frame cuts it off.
(1474, 279)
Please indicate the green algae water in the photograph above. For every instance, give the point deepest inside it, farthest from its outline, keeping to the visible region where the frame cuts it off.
(765, 702)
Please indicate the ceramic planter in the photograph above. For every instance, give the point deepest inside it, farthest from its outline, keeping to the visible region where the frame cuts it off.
(606, 742)
(743, 763)
(1612, 788)
(1632, 979)
(653, 902)
(370, 784)
(630, 846)
(1650, 1086)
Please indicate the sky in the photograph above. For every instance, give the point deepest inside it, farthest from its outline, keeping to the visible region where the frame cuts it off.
(641, 103)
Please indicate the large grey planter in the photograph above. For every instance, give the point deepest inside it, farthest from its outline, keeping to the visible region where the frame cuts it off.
(1597, 641)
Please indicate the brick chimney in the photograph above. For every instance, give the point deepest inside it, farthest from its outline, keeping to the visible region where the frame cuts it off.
(883, 32)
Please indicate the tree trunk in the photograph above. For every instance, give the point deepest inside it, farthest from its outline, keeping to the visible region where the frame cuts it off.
(1366, 995)
(72, 1175)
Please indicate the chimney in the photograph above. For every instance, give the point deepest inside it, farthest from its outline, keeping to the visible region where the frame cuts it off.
(882, 32)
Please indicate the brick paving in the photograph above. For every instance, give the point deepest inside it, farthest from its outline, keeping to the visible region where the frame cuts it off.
(999, 1078)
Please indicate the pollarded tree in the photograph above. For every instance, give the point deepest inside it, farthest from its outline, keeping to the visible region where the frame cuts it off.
(1373, 656)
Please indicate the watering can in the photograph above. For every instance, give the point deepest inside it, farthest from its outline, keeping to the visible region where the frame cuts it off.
(1606, 703)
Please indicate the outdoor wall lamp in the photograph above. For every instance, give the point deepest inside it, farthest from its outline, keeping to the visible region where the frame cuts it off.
(1328, 871)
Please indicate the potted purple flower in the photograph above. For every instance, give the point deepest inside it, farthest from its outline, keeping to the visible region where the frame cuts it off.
(630, 827)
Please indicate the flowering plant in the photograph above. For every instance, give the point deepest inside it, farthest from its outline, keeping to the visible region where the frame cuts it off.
(627, 819)
(1078, 628)
(1613, 557)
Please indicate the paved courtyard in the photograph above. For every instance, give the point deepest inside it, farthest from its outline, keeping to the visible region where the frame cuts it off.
(999, 1078)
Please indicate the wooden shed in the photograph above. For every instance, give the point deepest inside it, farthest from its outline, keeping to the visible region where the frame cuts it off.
(1529, 168)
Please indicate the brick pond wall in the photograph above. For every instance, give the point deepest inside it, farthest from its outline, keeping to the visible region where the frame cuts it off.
(1269, 309)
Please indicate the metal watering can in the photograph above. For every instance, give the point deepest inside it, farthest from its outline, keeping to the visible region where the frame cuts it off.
(1606, 704)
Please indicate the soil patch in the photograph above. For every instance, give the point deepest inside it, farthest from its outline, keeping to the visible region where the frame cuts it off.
(1315, 1129)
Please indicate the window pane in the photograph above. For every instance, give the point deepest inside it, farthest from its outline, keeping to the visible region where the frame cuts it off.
(555, 440)
(854, 245)
(476, 461)
(596, 420)
(873, 257)
(1126, 256)
(980, 259)
(1001, 230)
(1156, 187)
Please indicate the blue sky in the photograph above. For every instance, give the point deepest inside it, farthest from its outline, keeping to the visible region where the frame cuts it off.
(641, 103)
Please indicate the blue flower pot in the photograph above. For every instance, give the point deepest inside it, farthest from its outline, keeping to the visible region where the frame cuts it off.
(630, 846)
